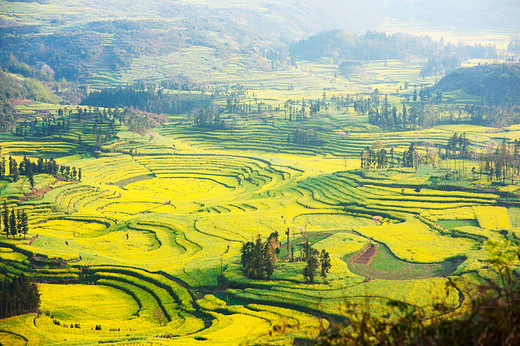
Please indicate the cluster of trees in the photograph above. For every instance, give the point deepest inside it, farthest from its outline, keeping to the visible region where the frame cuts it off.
(18, 296)
(315, 260)
(376, 157)
(349, 67)
(500, 162)
(411, 157)
(305, 137)
(208, 117)
(14, 223)
(422, 114)
(104, 122)
(237, 102)
(41, 166)
(149, 99)
(339, 45)
(438, 64)
(496, 161)
(259, 258)
(45, 127)
(493, 115)
(430, 112)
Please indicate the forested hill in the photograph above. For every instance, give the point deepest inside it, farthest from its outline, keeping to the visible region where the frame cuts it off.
(379, 46)
(80, 39)
(495, 83)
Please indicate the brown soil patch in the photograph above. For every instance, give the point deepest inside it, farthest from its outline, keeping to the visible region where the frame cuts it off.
(124, 182)
(366, 255)
(36, 194)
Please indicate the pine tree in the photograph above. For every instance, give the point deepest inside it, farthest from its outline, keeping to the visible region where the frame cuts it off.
(5, 218)
(2, 167)
(31, 181)
(12, 224)
(325, 263)
(19, 221)
(25, 223)
(272, 248)
(313, 263)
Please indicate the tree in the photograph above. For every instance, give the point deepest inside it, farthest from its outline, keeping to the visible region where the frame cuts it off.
(19, 221)
(25, 223)
(287, 233)
(313, 263)
(325, 263)
(272, 248)
(12, 224)
(259, 258)
(31, 181)
(2, 167)
(158, 314)
(247, 258)
(5, 218)
(252, 259)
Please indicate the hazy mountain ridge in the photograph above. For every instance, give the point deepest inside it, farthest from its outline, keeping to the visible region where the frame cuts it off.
(78, 38)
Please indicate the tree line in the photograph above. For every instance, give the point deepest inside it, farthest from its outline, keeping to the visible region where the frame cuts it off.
(41, 166)
(18, 296)
(148, 100)
(373, 45)
(500, 161)
(15, 222)
(496, 161)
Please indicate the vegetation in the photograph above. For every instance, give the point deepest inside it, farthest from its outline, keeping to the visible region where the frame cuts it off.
(494, 83)
(259, 259)
(491, 319)
(18, 296)
(203, 172)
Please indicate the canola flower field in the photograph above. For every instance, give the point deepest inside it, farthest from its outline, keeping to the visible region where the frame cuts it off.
(146, 247)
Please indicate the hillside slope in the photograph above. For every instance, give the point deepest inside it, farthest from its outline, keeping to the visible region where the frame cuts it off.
(497, 83)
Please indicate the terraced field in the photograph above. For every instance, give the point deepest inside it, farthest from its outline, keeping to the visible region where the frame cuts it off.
(157, 223)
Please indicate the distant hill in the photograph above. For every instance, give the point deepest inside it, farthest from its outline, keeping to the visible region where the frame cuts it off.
(99, 41)
(82, 39)
(341, 45)
(496, 83)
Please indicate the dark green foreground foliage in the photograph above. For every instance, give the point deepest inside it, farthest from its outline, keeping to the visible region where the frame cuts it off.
(493, 317)
(18, 296)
